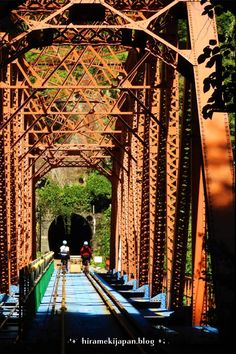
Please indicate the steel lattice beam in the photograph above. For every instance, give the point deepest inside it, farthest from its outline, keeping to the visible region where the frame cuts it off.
(218, 174)
(76, 94)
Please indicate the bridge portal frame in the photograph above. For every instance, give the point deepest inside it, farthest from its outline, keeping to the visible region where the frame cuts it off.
(159, 170)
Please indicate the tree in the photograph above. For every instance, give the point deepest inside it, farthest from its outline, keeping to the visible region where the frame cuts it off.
(79, 198)
(101, 242)
(99, 189)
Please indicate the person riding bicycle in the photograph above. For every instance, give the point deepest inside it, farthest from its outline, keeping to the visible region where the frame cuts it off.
(65, 254)
(86, 253)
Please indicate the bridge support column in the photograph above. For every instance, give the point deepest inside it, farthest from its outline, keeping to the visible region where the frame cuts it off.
(217, 162)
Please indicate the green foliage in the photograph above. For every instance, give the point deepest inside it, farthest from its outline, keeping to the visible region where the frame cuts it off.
(188, 268)
(182, 33)
(123, 55)
(101, 242)
(79, 198)
(99, 189)
(31, 56)
(227, 28)
(62, 200)
(74, 198)
(47, 197)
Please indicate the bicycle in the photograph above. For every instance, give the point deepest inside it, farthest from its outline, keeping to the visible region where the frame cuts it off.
(86, 266)
(64, 264)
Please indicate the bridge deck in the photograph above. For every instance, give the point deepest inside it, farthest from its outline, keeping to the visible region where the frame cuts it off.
(85, 320)
(87, 326)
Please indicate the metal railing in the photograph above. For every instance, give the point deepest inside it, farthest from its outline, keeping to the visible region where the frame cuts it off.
(34, 279)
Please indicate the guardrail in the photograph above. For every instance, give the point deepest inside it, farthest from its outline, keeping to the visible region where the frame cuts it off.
(34, 279)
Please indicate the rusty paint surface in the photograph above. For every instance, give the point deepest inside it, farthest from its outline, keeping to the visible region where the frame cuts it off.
(107, 93)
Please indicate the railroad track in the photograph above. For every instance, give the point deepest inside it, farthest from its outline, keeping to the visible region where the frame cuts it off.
(129, 326)
(131, 329)
(61, 304)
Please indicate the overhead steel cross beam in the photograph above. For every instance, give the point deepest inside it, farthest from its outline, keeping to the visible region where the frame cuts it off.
(67, 62)
(64, 32)
(151, 158)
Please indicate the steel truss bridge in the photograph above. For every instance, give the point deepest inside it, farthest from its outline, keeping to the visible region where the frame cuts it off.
(121, 86)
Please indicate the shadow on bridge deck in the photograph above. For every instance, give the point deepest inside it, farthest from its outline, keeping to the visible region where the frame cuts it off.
(87, 325)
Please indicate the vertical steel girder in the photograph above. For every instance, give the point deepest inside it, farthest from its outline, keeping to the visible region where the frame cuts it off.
(182, 210)
(154, 104)
(172, 173)
(218, 173)
(4, 248)
(15, 194)
(161, 190)
(145, 202)
(4, 259)
(128, 189)
(199, 288)
(8, 234)
(112, 91)
(149, 173)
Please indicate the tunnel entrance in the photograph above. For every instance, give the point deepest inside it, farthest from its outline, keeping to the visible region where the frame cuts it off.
(80, 231)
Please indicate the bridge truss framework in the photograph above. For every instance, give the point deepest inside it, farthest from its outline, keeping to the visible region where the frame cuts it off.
(120, 86)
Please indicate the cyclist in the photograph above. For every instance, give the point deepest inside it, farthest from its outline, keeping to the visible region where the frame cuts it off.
(65, 254)
(86, 254)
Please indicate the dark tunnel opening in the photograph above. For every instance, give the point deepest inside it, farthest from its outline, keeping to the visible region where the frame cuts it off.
(80, 231)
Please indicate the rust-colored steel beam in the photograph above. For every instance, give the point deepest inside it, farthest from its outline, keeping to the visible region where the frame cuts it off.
(217, 170)
(199, 286)
(149, 173)
(160, 220)
(77, 91)
(4, 248)
(145, 201)
(182, 211)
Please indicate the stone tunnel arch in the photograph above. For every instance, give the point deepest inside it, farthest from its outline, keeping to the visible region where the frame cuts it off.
(80, 231)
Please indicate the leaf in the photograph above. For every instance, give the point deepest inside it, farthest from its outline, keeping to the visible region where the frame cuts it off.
(231, 47)
(211, 62)
(201, 58)
(206, 86)
(226, 74)
(215, 50)
(207, 111)
(214, 83)
(214, 95)
(207, 51)
(227, 52)
(221, 37)
(224, 46)
(212, 42)
(211, 14)
(212, 76)
(207, 9)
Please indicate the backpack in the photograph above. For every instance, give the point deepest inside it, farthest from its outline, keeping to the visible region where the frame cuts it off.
(85, 251)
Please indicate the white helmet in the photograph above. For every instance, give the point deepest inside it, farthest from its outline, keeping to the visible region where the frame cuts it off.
(85, 243)
(64, 242)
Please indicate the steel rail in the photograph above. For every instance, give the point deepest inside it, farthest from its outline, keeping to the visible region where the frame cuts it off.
(118, 311)
(52, 304)
(55, 291)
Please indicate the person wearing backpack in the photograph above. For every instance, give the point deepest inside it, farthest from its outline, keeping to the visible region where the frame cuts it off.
(65, 254)
(86, 253)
